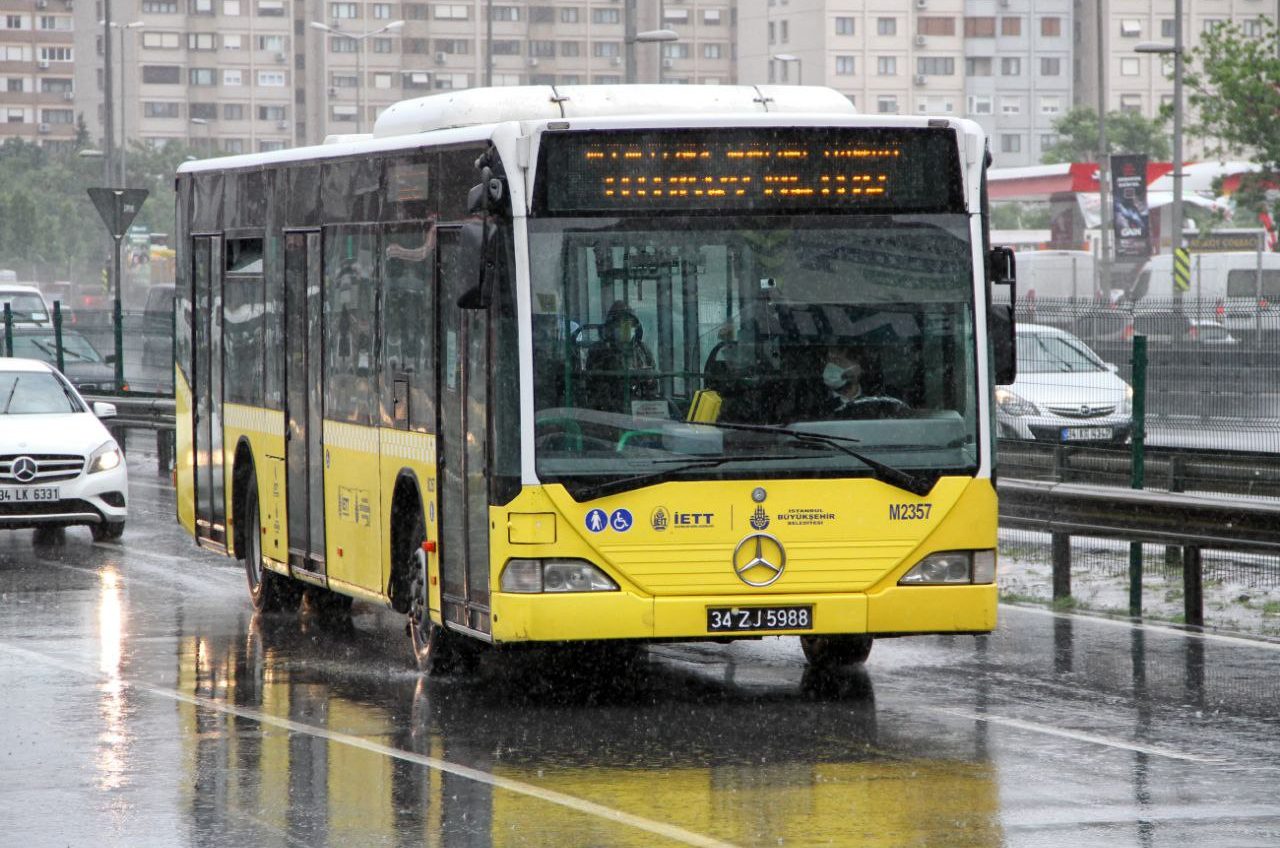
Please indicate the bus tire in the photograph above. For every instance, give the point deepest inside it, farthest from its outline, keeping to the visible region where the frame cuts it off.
(435, 649)
(836, 651)
(268, 591)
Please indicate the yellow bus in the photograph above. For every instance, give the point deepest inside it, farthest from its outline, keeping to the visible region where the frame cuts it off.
(578, 363)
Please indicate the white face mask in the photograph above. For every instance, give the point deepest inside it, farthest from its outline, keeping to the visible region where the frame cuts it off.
(834, 376)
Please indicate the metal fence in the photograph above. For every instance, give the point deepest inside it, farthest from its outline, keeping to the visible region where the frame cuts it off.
(1213, 373)
(85, 342)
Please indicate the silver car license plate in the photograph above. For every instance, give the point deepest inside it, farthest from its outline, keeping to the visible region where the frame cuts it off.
(1083, 434)
(28, 494)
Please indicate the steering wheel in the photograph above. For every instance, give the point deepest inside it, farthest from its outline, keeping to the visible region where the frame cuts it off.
(716, 372)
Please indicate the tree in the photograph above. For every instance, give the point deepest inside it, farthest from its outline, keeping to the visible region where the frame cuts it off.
(1127, 132)
(1233, 80)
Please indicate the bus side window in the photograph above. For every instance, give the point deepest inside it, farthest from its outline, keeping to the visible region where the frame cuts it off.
(408, 281)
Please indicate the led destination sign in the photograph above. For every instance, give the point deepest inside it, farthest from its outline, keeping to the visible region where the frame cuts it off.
(898, 170)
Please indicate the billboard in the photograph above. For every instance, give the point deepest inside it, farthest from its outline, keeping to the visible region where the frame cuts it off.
(1131, 217)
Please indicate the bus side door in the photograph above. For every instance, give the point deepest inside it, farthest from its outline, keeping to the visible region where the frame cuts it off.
(463, 357)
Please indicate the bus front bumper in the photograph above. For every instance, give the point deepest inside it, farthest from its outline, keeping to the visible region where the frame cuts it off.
(898, 610)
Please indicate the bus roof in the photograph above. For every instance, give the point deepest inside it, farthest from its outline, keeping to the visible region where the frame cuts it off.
(403, 123)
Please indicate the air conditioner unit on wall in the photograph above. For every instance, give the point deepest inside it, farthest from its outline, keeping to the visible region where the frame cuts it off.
(282, 125)
(922, 4)
(921, 41)
(44, 128)
(68, 95)
(617, 60)
(42, 65)
(667, 63)
(440, 58)
(533, 61)
(920, 79)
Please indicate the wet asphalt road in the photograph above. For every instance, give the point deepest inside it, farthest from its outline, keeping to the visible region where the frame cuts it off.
(143, 705)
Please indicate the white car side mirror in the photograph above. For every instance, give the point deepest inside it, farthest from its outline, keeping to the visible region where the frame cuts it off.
(104, 410)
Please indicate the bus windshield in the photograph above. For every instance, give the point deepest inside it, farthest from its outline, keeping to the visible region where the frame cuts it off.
(736, 346)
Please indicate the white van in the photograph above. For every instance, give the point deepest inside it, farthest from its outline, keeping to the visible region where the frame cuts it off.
(1056, 275)
(1234, 288)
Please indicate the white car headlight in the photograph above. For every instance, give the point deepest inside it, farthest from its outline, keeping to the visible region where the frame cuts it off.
(1014, 404)
(949, 568)
(106, 457)
(1128, 398)
(533, 576)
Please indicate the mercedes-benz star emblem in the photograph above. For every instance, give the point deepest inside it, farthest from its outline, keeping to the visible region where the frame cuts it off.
(24, 469)
(759, 559)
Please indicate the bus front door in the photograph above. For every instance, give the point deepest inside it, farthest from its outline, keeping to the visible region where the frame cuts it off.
(463, 355)
(304, 487)
(206, 309)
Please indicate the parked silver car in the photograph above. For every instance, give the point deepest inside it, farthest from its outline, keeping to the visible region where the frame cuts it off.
(1063, 392)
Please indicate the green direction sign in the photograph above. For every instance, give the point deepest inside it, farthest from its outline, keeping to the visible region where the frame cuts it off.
(117, 207)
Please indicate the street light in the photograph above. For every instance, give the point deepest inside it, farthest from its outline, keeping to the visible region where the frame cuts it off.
(204, 122)
(786, 58)
(652, 36)
(124, 107)
(359, 40)
(1176, 49)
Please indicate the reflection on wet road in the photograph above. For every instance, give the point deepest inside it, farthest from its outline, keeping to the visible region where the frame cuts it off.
(143, 704)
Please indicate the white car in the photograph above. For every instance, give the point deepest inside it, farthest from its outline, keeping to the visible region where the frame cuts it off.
(1063, 392)
(58, 464)
(27, 305)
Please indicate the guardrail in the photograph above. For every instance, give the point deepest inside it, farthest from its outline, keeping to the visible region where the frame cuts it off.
(145, 412)
(1190, 522)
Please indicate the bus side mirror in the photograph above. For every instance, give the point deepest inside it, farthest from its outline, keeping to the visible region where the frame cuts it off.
(476, 264)
(1004, 347)
(1004, 269)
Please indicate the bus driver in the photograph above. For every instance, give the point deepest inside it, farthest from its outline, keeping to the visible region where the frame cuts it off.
(844, 374)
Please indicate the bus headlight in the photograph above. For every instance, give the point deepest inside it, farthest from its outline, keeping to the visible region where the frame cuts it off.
(531, 576)
(105, 458)
(952, 568)
(1011, 403)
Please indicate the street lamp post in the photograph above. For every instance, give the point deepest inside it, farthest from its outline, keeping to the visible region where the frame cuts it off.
(359, 40)
(631, 38)
(124, 102)
(1176, 49)
(786, 59)
(204, 122)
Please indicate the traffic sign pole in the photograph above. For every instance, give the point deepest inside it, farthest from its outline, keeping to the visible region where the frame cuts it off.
(117, 208)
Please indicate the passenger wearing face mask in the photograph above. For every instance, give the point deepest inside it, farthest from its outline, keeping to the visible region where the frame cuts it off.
(844, 375)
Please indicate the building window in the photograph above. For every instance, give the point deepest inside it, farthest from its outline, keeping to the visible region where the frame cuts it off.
(233, 145)
(162, 74)
(272, 113)
(58, 116)
(201, 41)
(231, 8)
(1048, 140)
(1212, 24)
(15, 85)
(1130, 66)
(1251, 27)
(344, 11)
(338, 80)
(160, 7)
(711, 17)
(887, 104)
(886, 26)
(1050, 66)
(272, 79)
(201, 76)
(382, 80)
(201, 7)
(453, 46)
(845, 26)
(506, 48)
(712, 51)
(887, 66)
(606, 16)
(677, 17)
(1130, 28)
(232, 77)
(274, 43)
(505, 13)
(980, 27)
(380, 11)
(203, 111)
(233, 111)
(271, 8)
(542, 49)
(784, 32)
(1131, 103)
(571, 49)
(270, 146)
(342, 44)
(55, 23)
(844, 66)
(977, 66)
(151, 109)
(1051, 27)
(1011, 66)
(55, 54)
(936, 66)
(605, 49)
(1011, 26)
(929, 25)
(1050, 105)
(979, 105)
(1010, 143)
(1168, 29)
(675, 51)
(160, 41)
(452, 12)
(383, 45)
(569, 15)
(1010, 105)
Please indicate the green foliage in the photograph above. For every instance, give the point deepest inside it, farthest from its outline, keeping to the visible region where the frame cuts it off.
(1233, 84)
(49, 226)
(1020, 216)
(1127, 132)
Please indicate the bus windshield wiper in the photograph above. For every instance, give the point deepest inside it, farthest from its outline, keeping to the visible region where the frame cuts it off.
(916, 484)
(678, 466)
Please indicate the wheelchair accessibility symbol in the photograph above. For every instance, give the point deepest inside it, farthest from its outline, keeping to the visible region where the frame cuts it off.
(620, 520)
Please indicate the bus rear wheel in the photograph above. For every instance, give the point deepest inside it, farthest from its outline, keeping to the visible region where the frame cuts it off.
(836, 651)
(269, 592)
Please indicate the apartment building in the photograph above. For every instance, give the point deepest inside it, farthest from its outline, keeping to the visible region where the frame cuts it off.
(1004, 63)
(37, 63)
(1143, 83)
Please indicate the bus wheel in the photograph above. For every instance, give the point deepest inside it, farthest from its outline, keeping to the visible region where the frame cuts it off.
(836, 651)
(434, 647)
(268, 591)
